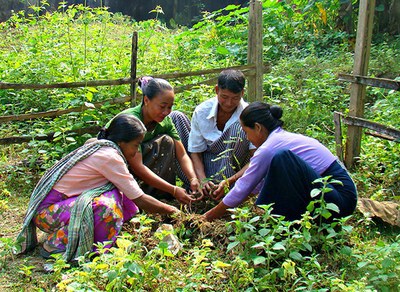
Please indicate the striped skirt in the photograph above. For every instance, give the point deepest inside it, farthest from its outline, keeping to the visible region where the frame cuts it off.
(224, 157)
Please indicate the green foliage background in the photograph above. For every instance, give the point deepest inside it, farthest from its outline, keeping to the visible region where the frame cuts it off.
(305, 52)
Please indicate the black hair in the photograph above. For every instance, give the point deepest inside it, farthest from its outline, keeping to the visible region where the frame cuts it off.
(233, 80)
(262, 113)
(123, 128)
(153, 86)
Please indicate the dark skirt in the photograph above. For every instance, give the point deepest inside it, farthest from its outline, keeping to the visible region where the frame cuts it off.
(159, 156)
(289, 182)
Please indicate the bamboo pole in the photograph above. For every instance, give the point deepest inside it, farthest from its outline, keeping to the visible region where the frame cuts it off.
(93, 83)
(255, 51)
(60, 112)
(338, 135)
(375, 82)
(49, 137)
(357, 94)
(246, 69)
(382, 129)
(134, 66)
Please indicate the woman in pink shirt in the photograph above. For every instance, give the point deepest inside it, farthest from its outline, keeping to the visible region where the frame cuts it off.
(86, 196)
(283, 168)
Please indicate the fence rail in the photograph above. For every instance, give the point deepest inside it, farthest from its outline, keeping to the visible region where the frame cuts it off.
(381, 131)
(247, 70)
(376, 82)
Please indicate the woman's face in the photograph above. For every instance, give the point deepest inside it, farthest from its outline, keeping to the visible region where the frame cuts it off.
(256, 135)
(160, 106)
(130, 148)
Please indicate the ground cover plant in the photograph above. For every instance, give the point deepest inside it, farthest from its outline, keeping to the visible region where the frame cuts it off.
(248, 249)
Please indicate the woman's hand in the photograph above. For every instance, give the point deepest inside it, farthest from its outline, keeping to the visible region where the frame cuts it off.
(181, 195)
(152, 205)
(197, 192)
(174, 210)
(208, 188)
(219, 192)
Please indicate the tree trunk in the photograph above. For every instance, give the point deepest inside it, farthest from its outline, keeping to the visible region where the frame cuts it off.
(394, 17)
(345, 20)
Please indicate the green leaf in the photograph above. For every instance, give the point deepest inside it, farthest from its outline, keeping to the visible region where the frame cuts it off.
(310, 206)
(334, 181)
(307, 246)
(387, 263)
(135, 268)
(296, 256)
(70, 139)
(326, 190)
(380, 7)
(89, 96)
(231, 7)
(361, 265)
(259, 245)
(264, 231)
(326, 214)
(259, 260)
(222, 50)
(346, 250)
(112, 275)
(315, 192)
(254, 219)
(232, 245)
(332, 207)
(278, 246)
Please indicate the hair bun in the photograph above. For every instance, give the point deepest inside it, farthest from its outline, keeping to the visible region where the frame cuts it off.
(102, 134)
(143, 81)
(276, 111)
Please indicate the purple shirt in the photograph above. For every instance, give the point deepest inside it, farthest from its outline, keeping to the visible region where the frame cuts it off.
(310, 150)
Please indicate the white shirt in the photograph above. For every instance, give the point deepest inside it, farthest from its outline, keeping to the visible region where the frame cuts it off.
(204, 130)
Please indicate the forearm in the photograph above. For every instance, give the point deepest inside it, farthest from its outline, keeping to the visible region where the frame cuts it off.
(237, 175)
(184, 161)
(152, 205)
(216, 212)
(198, 165)
(187, 167)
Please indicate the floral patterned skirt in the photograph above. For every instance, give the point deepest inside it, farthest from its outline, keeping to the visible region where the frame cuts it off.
(111, 209)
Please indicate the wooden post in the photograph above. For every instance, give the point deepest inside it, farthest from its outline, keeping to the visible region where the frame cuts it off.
(255, 51)
(357, 93)
(338, 135)
(134, 66)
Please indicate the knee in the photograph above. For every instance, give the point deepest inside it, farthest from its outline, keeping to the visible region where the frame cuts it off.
(178, 116)
(107, 208)
(167, 140)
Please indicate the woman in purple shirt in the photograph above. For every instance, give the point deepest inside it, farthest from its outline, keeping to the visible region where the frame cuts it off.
(284, 167)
